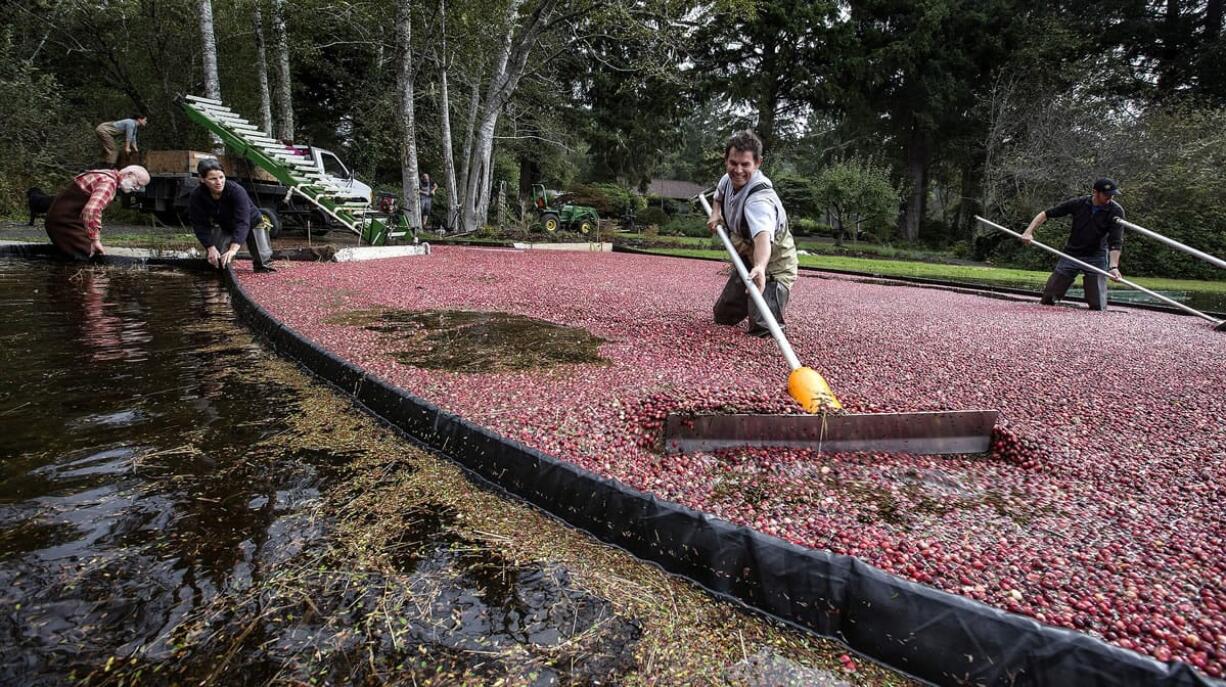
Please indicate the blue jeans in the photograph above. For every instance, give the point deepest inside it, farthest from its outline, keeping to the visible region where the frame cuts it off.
(1066, 272)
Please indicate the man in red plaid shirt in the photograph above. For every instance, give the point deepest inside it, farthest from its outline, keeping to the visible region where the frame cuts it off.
(74, 222)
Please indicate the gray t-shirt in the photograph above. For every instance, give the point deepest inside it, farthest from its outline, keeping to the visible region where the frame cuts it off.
(128, 127)
(762, 212)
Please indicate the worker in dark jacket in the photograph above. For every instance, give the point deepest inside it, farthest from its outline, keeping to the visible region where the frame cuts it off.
(224, 218)
(1097, 239)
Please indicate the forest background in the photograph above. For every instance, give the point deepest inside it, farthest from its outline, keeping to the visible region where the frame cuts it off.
(886, 121)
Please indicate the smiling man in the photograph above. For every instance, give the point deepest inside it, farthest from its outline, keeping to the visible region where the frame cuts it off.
(746, 203)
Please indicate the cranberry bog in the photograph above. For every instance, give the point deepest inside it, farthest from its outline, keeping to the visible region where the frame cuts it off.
(1099, 509)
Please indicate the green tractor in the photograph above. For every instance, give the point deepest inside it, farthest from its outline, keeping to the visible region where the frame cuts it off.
(557, 213)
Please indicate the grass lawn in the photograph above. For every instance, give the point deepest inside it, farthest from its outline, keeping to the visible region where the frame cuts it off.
(995, 276)
(160, 241)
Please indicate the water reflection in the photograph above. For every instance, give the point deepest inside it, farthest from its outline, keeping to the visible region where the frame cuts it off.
(137, 479)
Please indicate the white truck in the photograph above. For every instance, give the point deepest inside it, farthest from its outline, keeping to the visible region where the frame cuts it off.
(173, 178)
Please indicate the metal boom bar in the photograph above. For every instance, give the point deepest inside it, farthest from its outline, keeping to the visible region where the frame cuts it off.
(1173, 243)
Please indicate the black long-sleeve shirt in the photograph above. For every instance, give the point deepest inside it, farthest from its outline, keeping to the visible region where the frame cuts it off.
(1094, 227)
(233, 212)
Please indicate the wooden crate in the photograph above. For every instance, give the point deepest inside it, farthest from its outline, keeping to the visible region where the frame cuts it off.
(185, 161)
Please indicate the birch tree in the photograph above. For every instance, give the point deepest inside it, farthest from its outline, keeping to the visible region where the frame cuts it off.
(444, 63)
(408, 127)
(515, 47)
(261, 65)
(208, 42)
(285, 99)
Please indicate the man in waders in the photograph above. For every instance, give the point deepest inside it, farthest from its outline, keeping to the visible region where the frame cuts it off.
(223, 218)
(1097, 239)
(108, 131)
(74, 221)
(746, 203)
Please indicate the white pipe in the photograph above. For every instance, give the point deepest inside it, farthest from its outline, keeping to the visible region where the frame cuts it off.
(1092, 268)
(756, 295)
(1173, 243)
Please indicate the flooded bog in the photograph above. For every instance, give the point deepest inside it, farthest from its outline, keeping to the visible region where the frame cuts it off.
(178, 505)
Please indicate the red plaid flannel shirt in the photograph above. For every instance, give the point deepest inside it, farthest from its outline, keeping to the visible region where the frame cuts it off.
(101, 185)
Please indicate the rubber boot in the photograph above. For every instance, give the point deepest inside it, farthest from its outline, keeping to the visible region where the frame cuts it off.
(260, 247)
(1057, 285)
(1096, 291)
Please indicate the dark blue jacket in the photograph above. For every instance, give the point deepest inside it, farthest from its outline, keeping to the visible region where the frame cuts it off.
(233, 212)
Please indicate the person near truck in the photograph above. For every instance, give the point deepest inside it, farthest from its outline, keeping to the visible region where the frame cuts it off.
(108, 131)
(1097, 239)
(224, 218)
(74, 220)
(428, 187)
(746, 203)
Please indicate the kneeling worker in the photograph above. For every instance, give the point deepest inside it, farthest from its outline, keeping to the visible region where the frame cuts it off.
(223, 218)
(746, 203)
(74, 220)
(1097, 239)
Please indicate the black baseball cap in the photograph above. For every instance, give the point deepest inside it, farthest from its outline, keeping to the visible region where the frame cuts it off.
(1107, 186)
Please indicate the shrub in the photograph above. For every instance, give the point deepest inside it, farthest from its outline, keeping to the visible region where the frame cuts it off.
(690, 225)
(610, 200)
(652, 215)
(803, 226)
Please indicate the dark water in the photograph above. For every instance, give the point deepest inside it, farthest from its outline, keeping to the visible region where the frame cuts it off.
(145, 480)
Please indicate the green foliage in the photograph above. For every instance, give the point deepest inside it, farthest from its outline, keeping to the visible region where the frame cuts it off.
(804, 226)
(40, 137)
(687, 225)
(652, 215)
(859, 195)
(800, 195)
(610, 200)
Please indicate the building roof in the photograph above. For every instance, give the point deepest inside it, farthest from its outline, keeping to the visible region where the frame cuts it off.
(673, 189)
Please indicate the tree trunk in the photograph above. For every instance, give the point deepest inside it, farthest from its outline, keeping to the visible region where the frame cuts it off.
(285, 99)
(208, 43)
(487, 190)
(918, 157)
(410, 184)
(969, 202)
(512, 57)
(470, 132)
(1172, 41)
(261, 65)
(1213, 19)
(445, 120)
(768, 101)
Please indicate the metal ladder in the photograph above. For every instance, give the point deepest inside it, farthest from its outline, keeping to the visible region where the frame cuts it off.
(297, 173)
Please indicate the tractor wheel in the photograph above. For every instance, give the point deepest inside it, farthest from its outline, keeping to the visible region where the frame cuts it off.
(272, 222)
(551, 222)
(586, 227)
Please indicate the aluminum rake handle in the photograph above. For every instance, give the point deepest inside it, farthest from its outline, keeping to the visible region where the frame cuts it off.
(756, 295)
(1173, 243)
(1092, 268)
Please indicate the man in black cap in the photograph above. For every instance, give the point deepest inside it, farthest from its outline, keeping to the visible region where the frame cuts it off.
(1097, 239)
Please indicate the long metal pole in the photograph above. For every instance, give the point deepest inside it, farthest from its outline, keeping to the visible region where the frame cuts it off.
(1173, 243)
(1092, 268)
(756, 295)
